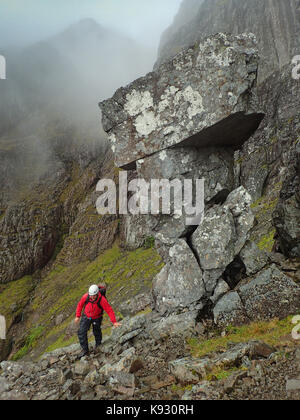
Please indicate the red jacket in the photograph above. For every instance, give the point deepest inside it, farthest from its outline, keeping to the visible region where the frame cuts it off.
(92, 309)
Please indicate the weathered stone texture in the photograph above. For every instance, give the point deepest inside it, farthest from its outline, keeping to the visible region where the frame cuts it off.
(203, 97)
(276, 24)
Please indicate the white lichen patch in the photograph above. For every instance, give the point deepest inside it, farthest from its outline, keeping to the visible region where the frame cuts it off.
(222, 59)
(138, 102)
(193, 97)
(163, 155)
(146, 123)
(166, 98)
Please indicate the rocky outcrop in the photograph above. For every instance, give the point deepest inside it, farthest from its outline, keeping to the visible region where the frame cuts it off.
(192, 370)
(286, 217)
(270, 294)
(203, 97)
(28, 238)
(144, 368)
(267, 165)
(206, 265)
(275, 23)
(222, 235)
(180, 283)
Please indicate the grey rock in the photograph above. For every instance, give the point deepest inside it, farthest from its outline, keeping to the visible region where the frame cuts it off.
(222, 235)
(271, 294)
(230, 310)
(253, 258)
(64, 375)
(2, 328)
(221, 289)
(203, 391)
(189, 370)
(135, 305)
(213, 165)
(204, 97)
(123, 365)
(4, 386)
(82, 368)
(70, 350)
(275, 24)
(122, 383)
(27, 241)
(93, 378)
(179, 284)
(286, 217)
(293, 385)
(182, 325)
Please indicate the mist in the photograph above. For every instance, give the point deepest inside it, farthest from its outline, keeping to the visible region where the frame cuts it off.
(58, 67)
(24, 22)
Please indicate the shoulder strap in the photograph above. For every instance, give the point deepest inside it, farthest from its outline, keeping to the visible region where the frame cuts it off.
(85, 303)
(99, 302)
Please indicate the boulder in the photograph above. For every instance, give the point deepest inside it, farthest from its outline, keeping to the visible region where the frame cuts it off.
(213, 165)
(123, 365)
(135, 305)
(230, 310)
(179, 285)
(270, 294)
(253, 258)
(222, 235)
(190, 370)
(203, 97)
(182, 325)
(122, 383)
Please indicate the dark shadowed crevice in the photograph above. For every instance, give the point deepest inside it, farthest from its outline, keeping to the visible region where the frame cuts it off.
(206, 314)
(188, 238)
(235, 273)
(218, 199)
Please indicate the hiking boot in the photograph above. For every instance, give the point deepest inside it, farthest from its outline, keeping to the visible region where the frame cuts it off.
(97, 349)
(83, 354)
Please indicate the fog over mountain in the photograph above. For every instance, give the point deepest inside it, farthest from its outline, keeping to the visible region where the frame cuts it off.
(275, 23)
(49, 102)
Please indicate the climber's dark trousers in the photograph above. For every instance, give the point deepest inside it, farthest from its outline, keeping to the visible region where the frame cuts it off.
(85, 325)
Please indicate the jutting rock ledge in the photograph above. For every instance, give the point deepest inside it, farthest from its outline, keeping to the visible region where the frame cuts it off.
(185, 121)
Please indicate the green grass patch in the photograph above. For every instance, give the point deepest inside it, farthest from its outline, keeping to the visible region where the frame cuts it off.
(29, 343)
(14, 296)
(220, 373)
(269, 331)
(267, 242)
(126, 273)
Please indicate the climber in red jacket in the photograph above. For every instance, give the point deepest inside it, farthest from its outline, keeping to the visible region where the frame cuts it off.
(94, 304)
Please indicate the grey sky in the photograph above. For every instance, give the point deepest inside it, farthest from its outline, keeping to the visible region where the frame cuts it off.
(27, 21)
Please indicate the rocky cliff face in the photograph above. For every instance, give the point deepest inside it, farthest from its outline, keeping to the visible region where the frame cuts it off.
(275, 23)
(197, 116)
(177, 122)
(53, 153)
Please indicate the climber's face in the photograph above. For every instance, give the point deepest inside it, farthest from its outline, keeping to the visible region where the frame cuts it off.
(93, 298)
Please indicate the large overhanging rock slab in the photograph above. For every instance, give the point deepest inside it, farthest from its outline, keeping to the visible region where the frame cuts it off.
(204, 97)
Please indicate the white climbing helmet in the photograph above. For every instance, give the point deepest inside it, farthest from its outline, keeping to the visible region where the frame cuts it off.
(93, 290)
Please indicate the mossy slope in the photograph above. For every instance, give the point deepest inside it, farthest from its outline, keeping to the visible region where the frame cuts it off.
(52, 310)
